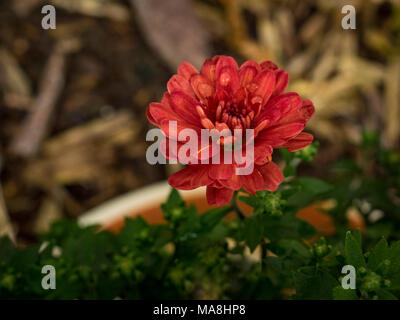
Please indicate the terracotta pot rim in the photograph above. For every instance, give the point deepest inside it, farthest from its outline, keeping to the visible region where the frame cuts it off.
(131, 204)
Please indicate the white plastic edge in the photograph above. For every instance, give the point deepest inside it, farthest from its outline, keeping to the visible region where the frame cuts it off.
(134, 201)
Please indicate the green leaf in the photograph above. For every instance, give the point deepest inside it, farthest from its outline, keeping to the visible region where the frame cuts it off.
(313, 185)
(347, 166)
(259, 288)
(251, 200)
(301, 199)
(384, 294)
(293, 254)
(306, 190)
(378, 254)
(339, 293)
(175, 199)
(315, 284)
(290, 247)
(174, 208)
(357, 235)
(211, 218)
(253, 231)
(394, 256)
(133, 230)
(379, 230)
(354, 254)
(287, 226)
(7, 249)
(89, 249)
(393, 272)
(63, 230)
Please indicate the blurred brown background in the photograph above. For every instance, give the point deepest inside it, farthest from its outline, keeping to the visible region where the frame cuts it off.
(73, 100)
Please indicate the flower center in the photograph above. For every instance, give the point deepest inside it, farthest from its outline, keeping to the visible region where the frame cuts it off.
(236, 116)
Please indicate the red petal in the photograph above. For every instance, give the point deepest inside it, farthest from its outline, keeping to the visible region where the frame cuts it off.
(165, 150)
(196, 158)
(233, 183)
(252, 64)
(190, 178)
(159, 113)
(264, 85)
(268, 65)
(211, 195)
(228, 79)
(165, 100)
(239, 95)
(225, 61)
(221, 171)
(282, 80)
(208, 69)
(178, 82)
(150, 117)
(262, 152)
(277, 135)
(226, 72)
(208, 151)
(272, 176)
(186, 70)
(180, 125)
(218, 196)
(307, 110)
(299, 142)
(222, 95)
(304, 113)
(185, 106)
(202, 87)
(246, 75)
(279, 107)
(252, 182)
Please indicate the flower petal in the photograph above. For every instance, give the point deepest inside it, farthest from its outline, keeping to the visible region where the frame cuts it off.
(159, 113)
(304, 113)
(279, 107)
(225, 61)
(150, 117)
(272, 176)
(252, 64)
(233, 183)
(239, 96)
(263, 85)
(299, 142)
(218, 196)
(172, 131)
(185, 106)
(247, 72)
(221, 171)
(208, 69)
(277, 135)
(227, 76)
(268, 65)
(282, 80)
(177, 82)
(252, 182)
(228, 80)
(186, 70)
(262, 152)
(202, 87)
(169, 153)
(191, 177)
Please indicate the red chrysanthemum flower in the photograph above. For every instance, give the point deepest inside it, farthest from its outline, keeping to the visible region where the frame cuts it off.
(222, 96)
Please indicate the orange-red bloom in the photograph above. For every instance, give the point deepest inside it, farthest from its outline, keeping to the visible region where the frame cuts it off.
(222, 95)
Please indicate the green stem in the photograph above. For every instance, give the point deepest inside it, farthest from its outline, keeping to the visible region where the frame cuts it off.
(263, 254)
(236, 208)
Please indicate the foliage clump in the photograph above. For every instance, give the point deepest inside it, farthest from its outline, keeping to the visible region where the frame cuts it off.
(203, 256)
